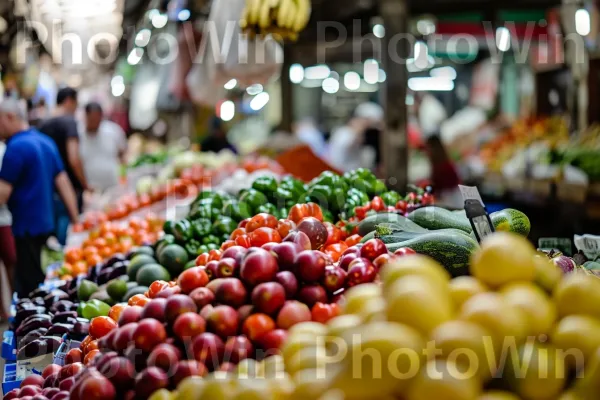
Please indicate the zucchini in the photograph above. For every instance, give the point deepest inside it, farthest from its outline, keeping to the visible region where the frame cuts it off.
(511, 220)
(592, 265)
(370, 223)
(450, 249)
(435, 218)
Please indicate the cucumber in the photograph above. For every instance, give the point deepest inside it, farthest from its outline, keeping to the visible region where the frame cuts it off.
(511, 220)
(592, 266)
(450, 249)
(434, 218)
(370, 223)
(400, 236)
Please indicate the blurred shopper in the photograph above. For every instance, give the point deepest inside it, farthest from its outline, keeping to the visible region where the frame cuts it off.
(307, 132)
(346, 148)
(63, 130)
(30, 172)
(7, 248)
(217, 138)
(103, 147)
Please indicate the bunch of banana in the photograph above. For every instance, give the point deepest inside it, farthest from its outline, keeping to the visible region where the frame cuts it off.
(283, 19)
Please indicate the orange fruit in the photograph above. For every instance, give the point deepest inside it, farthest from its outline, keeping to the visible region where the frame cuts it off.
(110, 238)
(66, 277)
(68, 268)
(95, 234)
(92, 345)
(80, 267)
(135, 223)
(138, 300)
(89, 250)
(94, 259)
(73, 255)
(116, 310)
(105, 228)
(106, 252)
(99, 243)
(90, 356)
(85, 342)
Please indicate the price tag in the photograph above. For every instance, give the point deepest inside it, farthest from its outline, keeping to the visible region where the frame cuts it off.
(589, 244)
(564, 245)
(476, 212)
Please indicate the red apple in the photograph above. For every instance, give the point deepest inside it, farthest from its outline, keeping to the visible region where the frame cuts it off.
(213, 285)
(380, 261)
(13, 394)
(212, 269)
(149, 333)
(120, 371)
(346, 259)
(191, 279)
(206, 310)
(232, 293)
(257, 325)
(48, 392)
(30, 390)
(312, 294)
(187, 368)
(310, 266)
(188, 325)
(292, 313)
(286, 254)
(70, 370)
(235, 252)
(271, 342)
(124, 336)
(268, 246)
(227, 268)
(105, 358)
(238, 348)
(138, 357)
(202, 296)
(289, 282)
(66, 384)
(208, 349)
(149, 381)
(39, 397)
(373, 248)
(33, 380)
(268, 297)
(335, 278)
(155, 309)
(299, 238)
(51, 380)
(223, 321)
(258, 266)
(177, 305)
(168, 292)
(97, 387)
(50, 369)
(105, 342)
(130, 315)
(315, 230)
(164, 356)
(62, 395)
(244, 312)
(360, 271)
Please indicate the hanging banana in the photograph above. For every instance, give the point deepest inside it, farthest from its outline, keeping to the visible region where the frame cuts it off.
(282, 18)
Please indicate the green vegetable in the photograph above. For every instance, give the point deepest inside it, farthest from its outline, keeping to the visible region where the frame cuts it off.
(224, 225)
(283, 213)
(452, 250)
(150, 273)
(86, 289)
(213, 246)
(253, 199)
(511, 220)
(201, 227)
(173, 258)
(192, 246)
(266, 185)
(390, 198)
(162, 242)
(201, 210)
(266, 208)
(210, 239)
(168, 227)
(592, 265)
(203, 249)
(327, 215)
(433, 217)
(116, 289)
(231, 209)
(370, 223)
(283, 196)
(182, 230)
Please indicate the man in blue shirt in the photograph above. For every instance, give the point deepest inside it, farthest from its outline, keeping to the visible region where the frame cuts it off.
(30, 171)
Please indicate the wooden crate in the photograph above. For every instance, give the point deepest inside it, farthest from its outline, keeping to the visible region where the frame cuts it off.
(573, 193)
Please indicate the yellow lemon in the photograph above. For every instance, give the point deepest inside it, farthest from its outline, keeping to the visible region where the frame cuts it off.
(443, 379)
(533, 301)
(578, 294)
(463, 288)
(415, 264)
(578, 336)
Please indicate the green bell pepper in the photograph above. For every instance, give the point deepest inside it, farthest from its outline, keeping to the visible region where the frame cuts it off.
(224, 225)
(378, 188)
(213, 246)
(266, 185)
(327, 216)
(201, 227)
(192, 247)
(168, 227)
(210, 239)
(267, 208)
(283, 213)
(283, 195)
(201, 210)
(203, 249)
(182, 230)
(390, 198)
(361, 197)
(254, 199)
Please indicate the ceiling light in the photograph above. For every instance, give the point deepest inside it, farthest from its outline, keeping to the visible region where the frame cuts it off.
(160, 20)
(425, 27)
(254, 89)
(444, 72)
(379, 31)
(352, 80)
(184, 15)
(231, 84)
(330, 85)
(153, 13)
(503, 38)
(317, 72)
(118, 90)
(382, 76)
(311, 83)
(117, 80)
(143, 37)
(227, 110)
(296, 73)
(582, 22)
(259, 101)
(432, 84)
(371, 71)
(135, 56)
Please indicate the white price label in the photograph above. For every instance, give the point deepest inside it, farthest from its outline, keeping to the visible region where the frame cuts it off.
(470, 193)
(589, 244)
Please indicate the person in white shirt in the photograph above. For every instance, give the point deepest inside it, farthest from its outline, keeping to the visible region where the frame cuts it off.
(103, 147)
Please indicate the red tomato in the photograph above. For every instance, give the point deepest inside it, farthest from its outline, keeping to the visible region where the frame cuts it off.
(404, 251)
(335, 250)
(401, 206)
(262, 220)
(324, 312)
(285, 226)
(101, 326)
(361, 212)
(243, 223)
(264, 235)
(380, 261)
(191, 279)
(227, 244)
(427, 199)
(352, 240)
(377, 204)
(214, 255)
(156, 287)
(202, 260)
(334, 234)
(238, 232)
(243, 241)
(257, 325)
(373, 248)
(301, 211)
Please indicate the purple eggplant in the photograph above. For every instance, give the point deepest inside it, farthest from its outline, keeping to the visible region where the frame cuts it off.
(39, 292)
(104, 276)
(114, 259)
(24, 329)
(59, 329)
(54, 297)
(39, 347)
(31, 336)
(22, 315)
(35, 318)
(64, 316)
(61, 306)
(119, 270)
